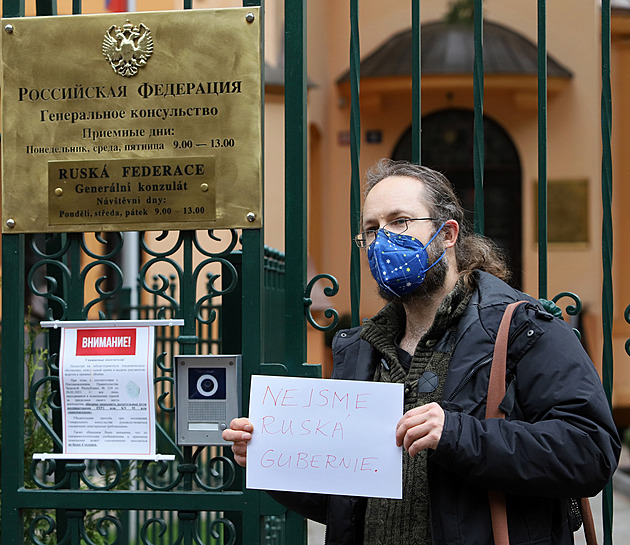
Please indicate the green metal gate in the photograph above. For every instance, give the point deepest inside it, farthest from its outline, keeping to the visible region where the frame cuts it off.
(201, 498)
(474, 8)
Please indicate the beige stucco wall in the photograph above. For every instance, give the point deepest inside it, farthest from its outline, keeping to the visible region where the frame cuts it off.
(621, 222)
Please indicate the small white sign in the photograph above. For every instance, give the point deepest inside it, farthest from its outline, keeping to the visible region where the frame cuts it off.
(107, 394)
(325, 436)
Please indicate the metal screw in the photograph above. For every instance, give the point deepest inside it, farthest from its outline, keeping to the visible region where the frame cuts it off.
(231, 363)
(59, 192)
(8, 29)
(251, 217)
(250, 17)
(204, 187)
(182, 362)
(10, 223)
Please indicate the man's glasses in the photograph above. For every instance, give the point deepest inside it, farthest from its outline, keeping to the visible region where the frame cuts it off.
(396, 227)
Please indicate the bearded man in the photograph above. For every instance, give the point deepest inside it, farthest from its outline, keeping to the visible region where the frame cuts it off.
(446, 296)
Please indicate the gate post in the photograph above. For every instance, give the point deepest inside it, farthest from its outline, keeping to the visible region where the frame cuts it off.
(13, 385)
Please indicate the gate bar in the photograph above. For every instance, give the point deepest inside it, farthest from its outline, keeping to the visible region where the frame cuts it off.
(478, 92)
(542, 149)
(295, 182)
(13, 8)
(12, 372)
(355, 155)
(416, 83)
(607, 245)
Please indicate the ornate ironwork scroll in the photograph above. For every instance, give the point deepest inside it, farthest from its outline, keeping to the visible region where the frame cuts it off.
(572, 310)
(329, 291)
(76, 274)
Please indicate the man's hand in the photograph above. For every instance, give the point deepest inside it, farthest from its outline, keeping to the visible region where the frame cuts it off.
(420, 428)
(240, 433)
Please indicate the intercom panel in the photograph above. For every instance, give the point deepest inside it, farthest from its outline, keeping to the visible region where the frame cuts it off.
(208, 397)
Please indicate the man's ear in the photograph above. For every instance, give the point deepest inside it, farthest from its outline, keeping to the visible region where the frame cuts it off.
(451, 232)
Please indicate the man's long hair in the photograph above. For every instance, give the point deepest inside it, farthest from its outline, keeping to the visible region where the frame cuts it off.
(472, 251)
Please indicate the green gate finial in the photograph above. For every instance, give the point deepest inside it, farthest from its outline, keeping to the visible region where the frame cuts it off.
(551, 308)
(460, 11)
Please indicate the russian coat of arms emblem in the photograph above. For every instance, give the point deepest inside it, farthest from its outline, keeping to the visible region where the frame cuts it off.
(128, 48)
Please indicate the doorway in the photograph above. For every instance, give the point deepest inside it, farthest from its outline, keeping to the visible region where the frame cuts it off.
(447, 146)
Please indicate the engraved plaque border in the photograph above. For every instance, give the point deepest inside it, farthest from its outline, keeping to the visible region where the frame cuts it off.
(198, 95)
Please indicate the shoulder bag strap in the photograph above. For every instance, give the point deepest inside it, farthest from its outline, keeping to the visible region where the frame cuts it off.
(496, 386)
(587, 522)
(496, 393)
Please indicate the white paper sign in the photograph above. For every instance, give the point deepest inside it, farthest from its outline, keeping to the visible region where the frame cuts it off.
(326, 436)
(107, 394)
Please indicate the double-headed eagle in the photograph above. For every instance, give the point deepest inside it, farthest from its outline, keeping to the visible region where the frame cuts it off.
(127, 48)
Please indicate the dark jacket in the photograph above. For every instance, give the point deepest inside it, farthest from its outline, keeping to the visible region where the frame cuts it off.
(558, 439)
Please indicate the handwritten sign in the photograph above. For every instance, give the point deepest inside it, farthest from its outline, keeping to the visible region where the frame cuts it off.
(325, 436)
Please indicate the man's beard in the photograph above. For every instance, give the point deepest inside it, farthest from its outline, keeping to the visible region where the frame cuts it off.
(433, 280)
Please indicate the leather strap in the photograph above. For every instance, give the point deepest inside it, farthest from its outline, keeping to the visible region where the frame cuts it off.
(587, 522)
(498, 516)
(496, 393)
(496, 386)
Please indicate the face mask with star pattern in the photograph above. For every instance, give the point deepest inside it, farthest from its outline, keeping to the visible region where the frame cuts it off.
(399, 262)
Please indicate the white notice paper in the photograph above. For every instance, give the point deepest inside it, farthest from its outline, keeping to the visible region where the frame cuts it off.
(107, 391)
(326, 436)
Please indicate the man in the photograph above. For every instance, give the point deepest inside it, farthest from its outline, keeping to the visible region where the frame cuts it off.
(446, 299)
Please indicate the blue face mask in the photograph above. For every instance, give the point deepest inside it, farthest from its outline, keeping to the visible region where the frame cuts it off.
(399, 263)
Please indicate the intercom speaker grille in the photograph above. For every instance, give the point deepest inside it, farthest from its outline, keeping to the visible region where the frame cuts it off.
(207, 411)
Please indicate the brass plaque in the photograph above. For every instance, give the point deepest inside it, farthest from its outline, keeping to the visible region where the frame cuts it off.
(567, 211)
(132, 191)
(132, 121)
